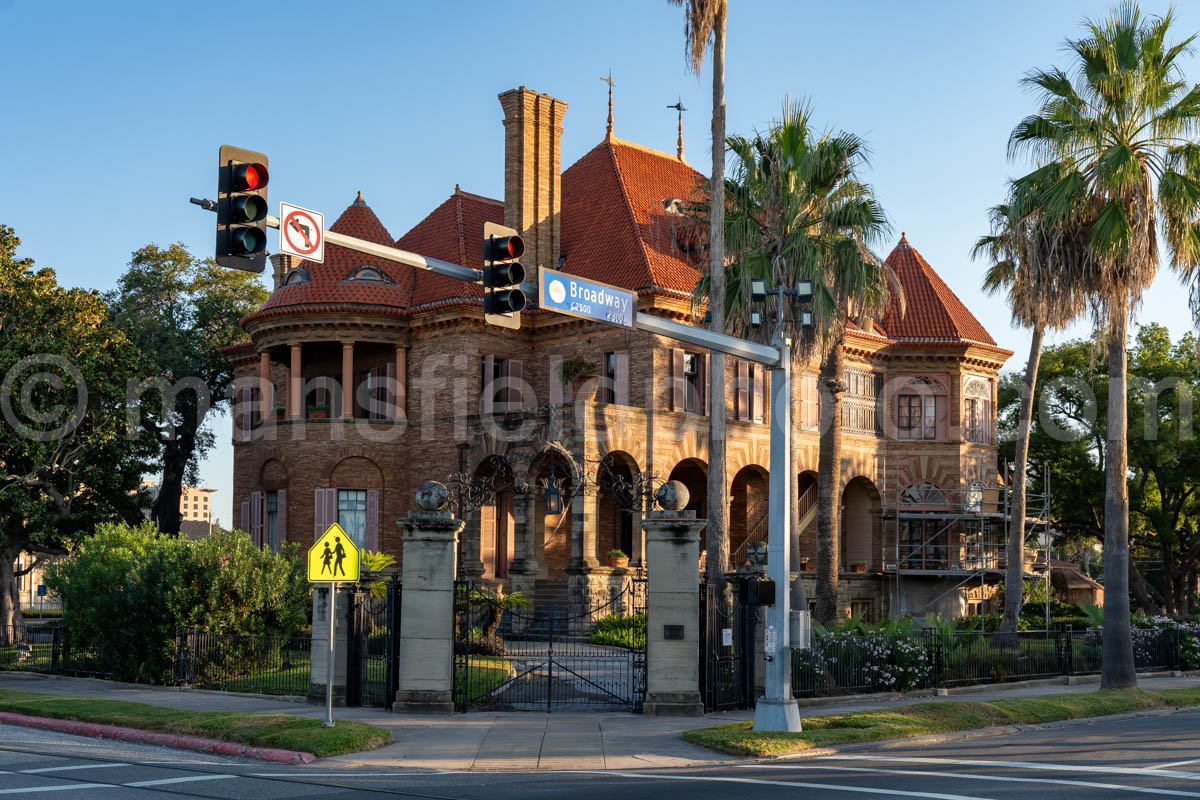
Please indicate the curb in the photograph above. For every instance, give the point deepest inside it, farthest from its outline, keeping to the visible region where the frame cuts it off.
(176, 741)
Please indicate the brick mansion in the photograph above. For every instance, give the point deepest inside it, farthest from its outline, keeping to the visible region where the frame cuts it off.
(363, 377)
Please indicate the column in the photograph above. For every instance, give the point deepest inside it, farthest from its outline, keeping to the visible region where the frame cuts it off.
(295, 385)
(673, 606)
(426, 668)
(265, 409)
(585, 515)
(347, 380)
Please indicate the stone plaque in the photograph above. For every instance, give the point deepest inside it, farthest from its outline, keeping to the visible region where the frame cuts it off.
(673, 633)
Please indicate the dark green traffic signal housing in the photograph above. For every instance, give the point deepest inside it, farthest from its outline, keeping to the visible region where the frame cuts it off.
(503, 275)
(242, 209)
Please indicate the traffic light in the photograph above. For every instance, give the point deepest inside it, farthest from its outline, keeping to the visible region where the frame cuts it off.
(502, 276)
(242, 209)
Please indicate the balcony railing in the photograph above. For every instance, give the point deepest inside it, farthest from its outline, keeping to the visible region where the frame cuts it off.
(941, 557)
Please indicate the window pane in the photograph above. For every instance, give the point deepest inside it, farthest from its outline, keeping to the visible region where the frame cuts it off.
(352, 514)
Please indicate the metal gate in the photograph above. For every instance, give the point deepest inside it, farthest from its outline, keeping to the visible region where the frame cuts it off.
(549, 658)
(726, 647)
(373, 650)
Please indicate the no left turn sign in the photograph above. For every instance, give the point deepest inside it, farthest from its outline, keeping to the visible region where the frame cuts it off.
(302, 232)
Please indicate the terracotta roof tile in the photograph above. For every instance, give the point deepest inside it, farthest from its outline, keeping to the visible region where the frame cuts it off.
(934, 312)
(451, 232)
(329, 285)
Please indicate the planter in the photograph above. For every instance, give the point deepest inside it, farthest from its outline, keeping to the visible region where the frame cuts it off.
(280, 413)
(318, 413)
(861, 569)
(808, 566)
(619, 562)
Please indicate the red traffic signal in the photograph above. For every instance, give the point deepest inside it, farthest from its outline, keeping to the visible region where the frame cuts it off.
(502, 248)
(250, 177)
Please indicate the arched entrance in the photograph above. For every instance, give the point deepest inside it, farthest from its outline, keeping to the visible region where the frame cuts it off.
(861, 535)
(552, 486)
(618, 506)
(497, 530)
(747, 512)
(693, 473)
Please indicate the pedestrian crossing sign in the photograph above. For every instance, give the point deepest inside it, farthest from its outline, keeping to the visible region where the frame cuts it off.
(333, 558)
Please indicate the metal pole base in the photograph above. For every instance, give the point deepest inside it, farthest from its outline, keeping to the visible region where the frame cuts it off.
(777, 715)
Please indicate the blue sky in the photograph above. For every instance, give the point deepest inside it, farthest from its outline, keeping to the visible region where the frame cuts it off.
(114, 111)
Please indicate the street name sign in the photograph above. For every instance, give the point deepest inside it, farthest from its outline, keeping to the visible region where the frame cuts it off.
(333, 558)
(302, 232)
(586, 298)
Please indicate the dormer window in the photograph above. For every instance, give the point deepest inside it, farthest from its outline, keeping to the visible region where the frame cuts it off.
(367, 272)
(297, 275)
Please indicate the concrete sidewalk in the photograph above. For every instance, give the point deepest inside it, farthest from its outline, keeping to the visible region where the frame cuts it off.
(522, 741)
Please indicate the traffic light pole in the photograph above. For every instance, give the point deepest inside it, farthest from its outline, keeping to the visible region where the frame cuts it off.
(777, 710)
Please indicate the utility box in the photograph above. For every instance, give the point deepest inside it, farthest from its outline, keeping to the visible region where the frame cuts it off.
(800, 630)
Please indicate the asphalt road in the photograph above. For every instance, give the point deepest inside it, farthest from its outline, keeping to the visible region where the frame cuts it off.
(1100, 760)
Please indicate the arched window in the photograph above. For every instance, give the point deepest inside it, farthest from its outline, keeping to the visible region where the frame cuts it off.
(297, 275)
(368, 272)
(977, 410)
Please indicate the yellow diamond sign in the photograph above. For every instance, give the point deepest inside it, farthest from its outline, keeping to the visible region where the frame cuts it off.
(334, 558)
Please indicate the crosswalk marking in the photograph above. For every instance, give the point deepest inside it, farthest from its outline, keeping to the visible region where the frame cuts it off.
(167, 781)
(1031, 765)
(828, 787)
(69, 787)
(70, 768)
(968, 776)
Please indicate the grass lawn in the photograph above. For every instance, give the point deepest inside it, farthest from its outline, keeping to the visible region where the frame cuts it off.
(256, 730)
(929, 718)
(481, 676)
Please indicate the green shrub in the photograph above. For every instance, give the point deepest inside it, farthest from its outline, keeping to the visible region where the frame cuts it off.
(125, 591)
(616, 630)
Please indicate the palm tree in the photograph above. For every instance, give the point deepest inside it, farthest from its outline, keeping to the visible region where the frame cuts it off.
(704, 20)
(796, 209)
(1117, 134)
(1027, 264)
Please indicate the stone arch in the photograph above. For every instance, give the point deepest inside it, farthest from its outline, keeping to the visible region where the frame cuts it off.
(806, 538)
(862, 528)
(273, 475)
(618, 510)
(748, 517)
(356, 472)
(497, 516)
(693, 473)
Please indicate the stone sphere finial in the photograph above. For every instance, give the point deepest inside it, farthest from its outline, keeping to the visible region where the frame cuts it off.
(672, 496)
(433, 496)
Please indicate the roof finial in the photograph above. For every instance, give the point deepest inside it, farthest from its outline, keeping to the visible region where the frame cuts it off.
(358, 201)
(679, 144)
(609, 135)
(903, 238)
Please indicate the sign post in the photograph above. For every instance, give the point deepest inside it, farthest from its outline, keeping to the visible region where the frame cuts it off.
(333, 559)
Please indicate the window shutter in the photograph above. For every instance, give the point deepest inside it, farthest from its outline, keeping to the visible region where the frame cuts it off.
(245, 520)
(281, 514)
(488, 402)
(487, 540)
(809, 411)
(758, 396)
(741, 403)
(256, 518)
(702, 378)
(621, 377)
(677, 380)
(244, 413)
(324, 511)
(513, 381)
(372, 538)
(400, 399)
(555, 380)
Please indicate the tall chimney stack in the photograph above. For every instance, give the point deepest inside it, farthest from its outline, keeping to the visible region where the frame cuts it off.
(533, 171)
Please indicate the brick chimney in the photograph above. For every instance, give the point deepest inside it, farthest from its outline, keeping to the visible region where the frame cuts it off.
(281, 265)
(533, 171)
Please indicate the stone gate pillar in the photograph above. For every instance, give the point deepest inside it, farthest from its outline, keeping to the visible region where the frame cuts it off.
(426, 669)
(673, 606)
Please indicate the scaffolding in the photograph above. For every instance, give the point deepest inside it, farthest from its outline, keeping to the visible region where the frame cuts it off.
(962, 533)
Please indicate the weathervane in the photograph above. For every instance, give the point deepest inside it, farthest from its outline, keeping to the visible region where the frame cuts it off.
(679, 144)
(608, 79)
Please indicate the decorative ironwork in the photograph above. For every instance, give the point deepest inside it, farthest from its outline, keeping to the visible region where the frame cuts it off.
(472, 493)
(634, 493)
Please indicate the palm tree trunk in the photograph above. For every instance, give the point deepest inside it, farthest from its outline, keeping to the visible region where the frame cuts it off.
(1014, 576)
(829, 479)
(718, 487)
(1117, 667)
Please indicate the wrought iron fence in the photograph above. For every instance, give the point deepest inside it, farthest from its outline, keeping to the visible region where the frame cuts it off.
(278, 665)
(47, 648)
(857, 664)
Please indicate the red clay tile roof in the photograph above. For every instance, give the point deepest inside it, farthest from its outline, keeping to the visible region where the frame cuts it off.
(329, 285)
(934, 312)
(614, 226)
(452, 232)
